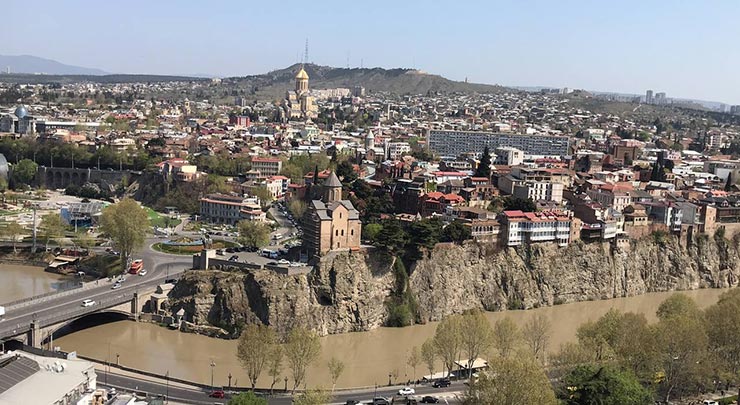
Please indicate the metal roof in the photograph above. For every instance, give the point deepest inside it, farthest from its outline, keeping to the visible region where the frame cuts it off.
(14, 370)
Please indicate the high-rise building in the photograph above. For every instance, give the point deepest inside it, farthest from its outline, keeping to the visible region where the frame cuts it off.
(660, 99)
(649, 97)
(735, 109)
(456, 143)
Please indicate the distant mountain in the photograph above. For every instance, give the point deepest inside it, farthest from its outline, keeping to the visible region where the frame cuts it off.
(398, 81)
(36, 65)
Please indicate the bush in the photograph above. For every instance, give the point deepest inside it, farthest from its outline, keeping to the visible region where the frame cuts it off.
(660, 237)
(719, 234)
(515, 303)
(558, 301)
(399, 314)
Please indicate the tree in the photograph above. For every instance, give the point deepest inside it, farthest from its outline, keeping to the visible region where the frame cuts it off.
(728, 183)
(263, 194)
(336, 368)
(84, 240)
(512, 380)
(313, 397)
(275, 364)
(590, 384)
(12, 231)
(484, 167)
(301, 349)
(371, 231)
(126, 223)
(447, 340)
(505, 336)
(253, 349)
(52, 227)
(724, 335)
(455, 232)
(476, 336)
(247, 398)
(297, 208)
(391, 237)
(537, 335)
(253, 234)
(24, 171)
(428, 355)
(413, 360)
(521, 204)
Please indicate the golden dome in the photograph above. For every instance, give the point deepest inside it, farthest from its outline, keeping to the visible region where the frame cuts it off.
(302, 75)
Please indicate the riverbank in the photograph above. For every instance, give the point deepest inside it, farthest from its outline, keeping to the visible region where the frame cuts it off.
(368, 356)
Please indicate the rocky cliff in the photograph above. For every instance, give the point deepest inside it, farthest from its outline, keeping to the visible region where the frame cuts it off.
(347, 291)
(344, 293)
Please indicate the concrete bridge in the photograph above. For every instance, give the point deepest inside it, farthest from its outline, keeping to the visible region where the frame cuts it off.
(34, 321)
(61, 177)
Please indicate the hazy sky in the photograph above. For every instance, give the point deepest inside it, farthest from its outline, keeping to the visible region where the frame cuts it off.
(685, 48)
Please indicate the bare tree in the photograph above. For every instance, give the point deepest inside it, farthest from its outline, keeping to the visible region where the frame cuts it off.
(336, 367)
(428, 355)
(505, 336)
(447, 341)
(537, 336)
(414, 359)
(275, 364)
(476, 336)
(253, 350)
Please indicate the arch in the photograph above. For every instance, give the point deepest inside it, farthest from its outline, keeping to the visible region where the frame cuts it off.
(75, 178)
(65, 179)
(57, 179)
(84, 322)
(49, 179)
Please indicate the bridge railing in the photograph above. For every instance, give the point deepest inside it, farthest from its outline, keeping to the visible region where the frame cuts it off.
(54, 294)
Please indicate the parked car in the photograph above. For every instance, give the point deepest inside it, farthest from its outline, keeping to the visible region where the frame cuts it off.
(88, 303)
(219, 252)
(406, 391)
(429, 400)
(217, 394)
(233, 258)
(441, 383)
(283, 261)
(352, 402)
(380, 401)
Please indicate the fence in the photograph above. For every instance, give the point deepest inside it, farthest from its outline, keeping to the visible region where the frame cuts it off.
(63, 288)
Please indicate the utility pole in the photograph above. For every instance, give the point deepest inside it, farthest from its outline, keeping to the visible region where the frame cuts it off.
(34, 206)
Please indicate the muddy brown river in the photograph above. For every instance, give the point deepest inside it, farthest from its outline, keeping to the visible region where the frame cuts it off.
(17, 282)
(368, 356)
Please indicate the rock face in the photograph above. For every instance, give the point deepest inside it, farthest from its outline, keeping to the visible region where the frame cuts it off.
(453, 279)
(344, 293)
(347, 292)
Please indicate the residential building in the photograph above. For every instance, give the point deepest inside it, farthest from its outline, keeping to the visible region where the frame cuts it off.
(539, 191)
(508, 156)
(456, 143)
(520, 227)
(267, 166)
(397, 149)
(227, 209)
(331, 223)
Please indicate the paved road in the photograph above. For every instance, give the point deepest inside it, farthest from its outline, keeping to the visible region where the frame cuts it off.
(197, 396)
(53, 307)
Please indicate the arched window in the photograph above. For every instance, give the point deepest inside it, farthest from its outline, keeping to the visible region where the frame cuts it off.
(342, 232)
(352, 232)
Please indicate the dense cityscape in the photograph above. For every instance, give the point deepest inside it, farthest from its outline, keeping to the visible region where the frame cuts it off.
(354, 235)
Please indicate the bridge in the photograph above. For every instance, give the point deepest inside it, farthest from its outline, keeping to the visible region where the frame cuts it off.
(61, 177)
(35, 320)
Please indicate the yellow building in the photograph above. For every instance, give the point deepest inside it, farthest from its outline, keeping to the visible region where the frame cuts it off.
(331, 223)
(298, 103)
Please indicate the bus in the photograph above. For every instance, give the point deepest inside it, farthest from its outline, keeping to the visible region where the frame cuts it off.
(136, 266)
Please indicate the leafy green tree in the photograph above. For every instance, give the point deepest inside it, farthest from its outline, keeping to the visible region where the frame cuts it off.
(12, 231)
(413, 360)
(476, 337)
(336, 368)
(506, 335)
(456, 232)
(253, 234)
(52, 227)
(517, 203)
(313, 397)
(253, 349)
(346, 172)
(247, 398)
(275, 364)
(126, 223)
(724, 335)
(371, 231)
(428, 355)
(447, 341)
(484, 167)
(297, 208)
(511, 380)
(84, 240)
(392, 237)
(301, 349)
(263, 194)
(23, 172)
(590, 384)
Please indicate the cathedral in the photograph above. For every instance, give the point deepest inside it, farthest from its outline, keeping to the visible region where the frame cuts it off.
(331, 223)
(298, 104)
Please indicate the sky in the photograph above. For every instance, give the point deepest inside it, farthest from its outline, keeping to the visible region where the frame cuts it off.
(688, 49)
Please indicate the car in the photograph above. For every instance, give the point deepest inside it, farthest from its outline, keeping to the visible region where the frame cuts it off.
(88, 303)
(429, 400)
(441, 383)
(380, 401)
(142, 273)
(709, 402)
(220, 252)
(230, 250)
(352, 402)
(217, 394)
(406, 391)
(116, 286)
(283, 261)
(233, 258)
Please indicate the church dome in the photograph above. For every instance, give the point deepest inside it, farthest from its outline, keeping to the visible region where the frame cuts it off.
(302, 75)
(21, 112)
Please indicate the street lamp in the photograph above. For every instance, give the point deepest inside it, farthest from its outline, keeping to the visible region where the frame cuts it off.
(213, 365)
(389, 379)
(167, 386)
(229, 380)
(286, 384)
(118, 363)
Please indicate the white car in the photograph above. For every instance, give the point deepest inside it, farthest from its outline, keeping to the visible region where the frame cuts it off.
(88, 303)
(406, 391)
(116, 286)
(142, 273)
(283, 261)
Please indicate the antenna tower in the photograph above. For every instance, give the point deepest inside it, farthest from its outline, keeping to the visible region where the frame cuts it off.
(305, 53)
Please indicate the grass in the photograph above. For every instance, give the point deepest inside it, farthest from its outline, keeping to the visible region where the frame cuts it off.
(160, 221)
(189, 250)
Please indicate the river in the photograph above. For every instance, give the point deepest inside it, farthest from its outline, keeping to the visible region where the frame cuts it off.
(368, 356)
(19, 281)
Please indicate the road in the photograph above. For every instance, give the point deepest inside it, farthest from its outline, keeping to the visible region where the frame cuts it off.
(151, 388)
(53, 307)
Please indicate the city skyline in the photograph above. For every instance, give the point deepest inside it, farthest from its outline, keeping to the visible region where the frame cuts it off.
(626, 48)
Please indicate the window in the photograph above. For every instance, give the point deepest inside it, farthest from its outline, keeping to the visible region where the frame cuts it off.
(336, 232)
(342, 232)
(352, 232)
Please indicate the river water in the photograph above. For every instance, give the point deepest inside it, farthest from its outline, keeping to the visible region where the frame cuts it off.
(18, 281)
(368, 356)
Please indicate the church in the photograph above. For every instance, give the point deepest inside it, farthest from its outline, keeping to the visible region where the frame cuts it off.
(331, 223)
(298, 104)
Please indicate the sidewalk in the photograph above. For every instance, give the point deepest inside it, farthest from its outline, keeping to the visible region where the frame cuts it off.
(101, 367)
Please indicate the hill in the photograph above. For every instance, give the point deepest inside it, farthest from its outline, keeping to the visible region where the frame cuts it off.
(24, 78)
(398, 81)
(36, 65)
